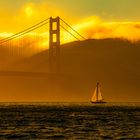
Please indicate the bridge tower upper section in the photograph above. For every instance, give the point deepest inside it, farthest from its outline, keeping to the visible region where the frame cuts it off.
(54, 45)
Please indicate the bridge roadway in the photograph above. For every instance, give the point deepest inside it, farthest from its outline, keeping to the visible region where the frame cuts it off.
(27, 74)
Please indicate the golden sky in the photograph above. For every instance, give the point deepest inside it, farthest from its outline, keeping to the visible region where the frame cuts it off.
(93, 19)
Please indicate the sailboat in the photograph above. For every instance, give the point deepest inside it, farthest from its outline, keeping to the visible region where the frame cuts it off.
(97, 96)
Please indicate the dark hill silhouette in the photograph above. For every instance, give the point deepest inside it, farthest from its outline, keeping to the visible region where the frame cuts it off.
(114, 63)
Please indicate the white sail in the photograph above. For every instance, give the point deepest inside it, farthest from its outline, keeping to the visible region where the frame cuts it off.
(94, 97)
(100, 98)
(97, 96)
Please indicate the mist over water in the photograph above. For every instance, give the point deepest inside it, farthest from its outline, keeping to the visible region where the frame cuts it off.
(112, 62)
(69, 121)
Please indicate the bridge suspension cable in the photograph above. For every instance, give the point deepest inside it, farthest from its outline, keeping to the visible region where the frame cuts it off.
(38, 25)
(72, 29)
(21, 33)
(69, 33)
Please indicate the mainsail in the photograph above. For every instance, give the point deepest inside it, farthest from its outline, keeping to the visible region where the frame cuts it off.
(97, 96)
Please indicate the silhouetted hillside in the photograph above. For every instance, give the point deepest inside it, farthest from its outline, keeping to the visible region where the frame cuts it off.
(114, 63)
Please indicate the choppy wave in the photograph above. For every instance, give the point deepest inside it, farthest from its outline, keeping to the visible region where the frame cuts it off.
(69, 121)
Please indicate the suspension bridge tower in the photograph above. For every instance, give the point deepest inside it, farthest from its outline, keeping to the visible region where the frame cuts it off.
(54, 45)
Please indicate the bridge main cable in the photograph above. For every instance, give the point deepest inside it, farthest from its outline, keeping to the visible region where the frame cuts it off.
(38, 25)
(21, 34)
(70, 33)
(73, 29)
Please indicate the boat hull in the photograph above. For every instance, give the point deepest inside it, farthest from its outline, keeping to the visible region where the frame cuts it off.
(99, 102)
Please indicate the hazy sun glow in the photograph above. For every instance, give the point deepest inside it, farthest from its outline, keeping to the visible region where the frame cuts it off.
(28, 11)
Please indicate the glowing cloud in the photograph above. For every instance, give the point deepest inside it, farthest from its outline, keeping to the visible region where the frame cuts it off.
(94, 27)
(28, 11)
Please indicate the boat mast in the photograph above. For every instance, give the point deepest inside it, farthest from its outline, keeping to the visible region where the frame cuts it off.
(97, 90)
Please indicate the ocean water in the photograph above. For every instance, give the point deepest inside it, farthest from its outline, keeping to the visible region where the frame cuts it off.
(69, 121)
